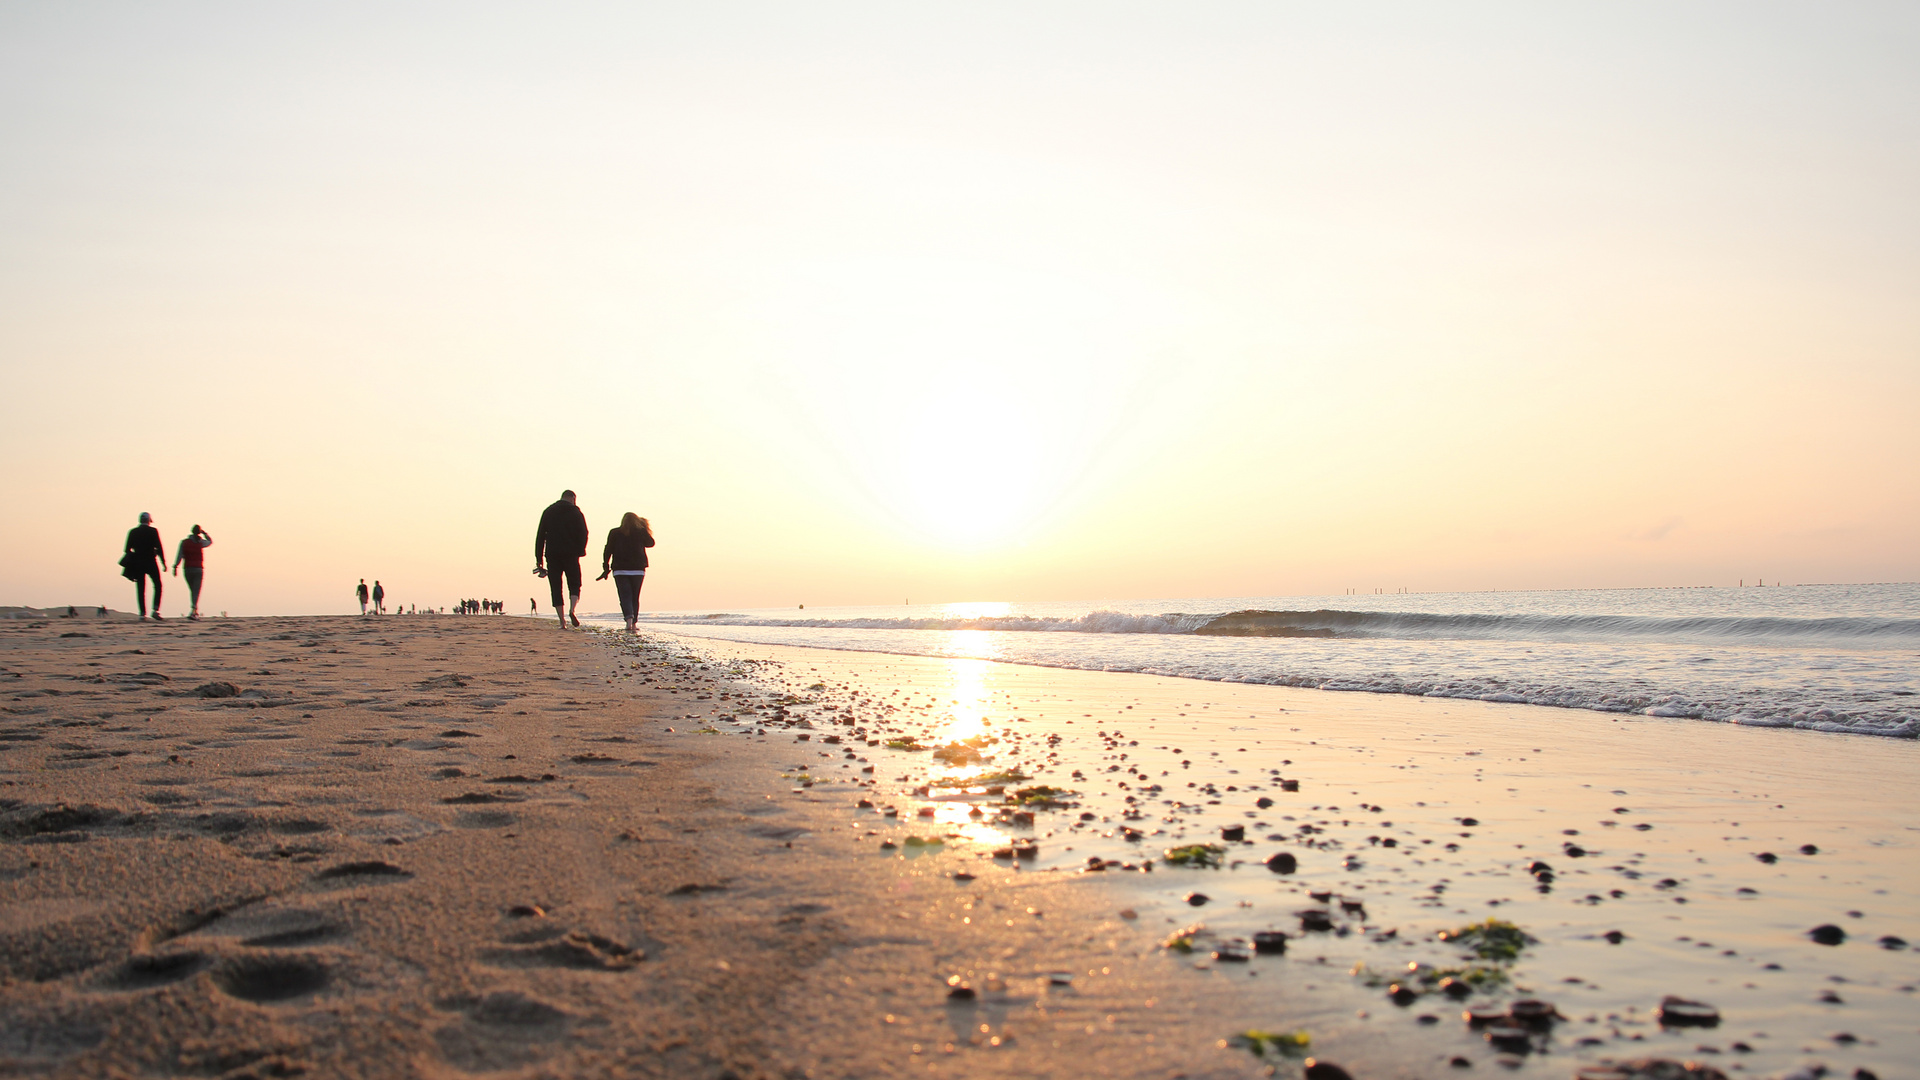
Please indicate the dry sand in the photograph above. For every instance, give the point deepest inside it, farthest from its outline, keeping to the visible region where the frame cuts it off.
(452, 846)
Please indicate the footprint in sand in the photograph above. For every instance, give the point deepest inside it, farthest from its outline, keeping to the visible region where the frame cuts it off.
(269, 979)
(372, 870)
(577, 950)
(502, 1030)
(155, 970)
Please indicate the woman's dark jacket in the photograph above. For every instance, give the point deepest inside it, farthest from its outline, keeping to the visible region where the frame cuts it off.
(626, 550)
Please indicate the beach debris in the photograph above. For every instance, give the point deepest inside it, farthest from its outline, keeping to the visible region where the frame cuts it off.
(1509, 1038)
(1128, 913)
(1043, 797)
(1809, 849)
(694, 888)
(888, 845)
(1890, 941)
(1207, 855)
(1418, 979)
(1182, 940)
(1324, 1070)
(1258, 1043)
(1060, 978)
(1233, 834)
(957, 753)
(1353, 907)
(1494, 939)
(1614, 937)
(962, 876)
(526, 911)
(924, 841)
(958, 990)
(1197, 899)
(1270, 942)
(1233, 950)
(1401, 994)
(214, 690)
(1533, 1013)
(1315, 919)
(1768, 857)
(1650, 1069)
(371, 868)
(1282, 862)
(1827, 934)
(1263, 802)
(1289, 785)
(909, 744)
(1003, 776)
(1020, 849)
(1679, 1012)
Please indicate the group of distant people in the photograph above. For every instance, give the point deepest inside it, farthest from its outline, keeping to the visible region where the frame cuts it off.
(146, 557)
(561, 542)
(377, 596)
(558, 546)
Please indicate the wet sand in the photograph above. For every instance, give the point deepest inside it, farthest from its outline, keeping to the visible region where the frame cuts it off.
(452, 846)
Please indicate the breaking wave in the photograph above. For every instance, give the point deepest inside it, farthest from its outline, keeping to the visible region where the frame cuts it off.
(1844, 632)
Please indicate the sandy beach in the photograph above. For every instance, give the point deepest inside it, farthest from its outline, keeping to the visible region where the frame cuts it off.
(459, 846)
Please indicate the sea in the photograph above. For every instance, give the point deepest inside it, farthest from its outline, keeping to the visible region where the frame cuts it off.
(1835, 658)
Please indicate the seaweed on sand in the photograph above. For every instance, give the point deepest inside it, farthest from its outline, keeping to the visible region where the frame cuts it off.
(1042, 797)
(1196, 855)
(1494, 939)
(1004, 776)
(1256, 1042)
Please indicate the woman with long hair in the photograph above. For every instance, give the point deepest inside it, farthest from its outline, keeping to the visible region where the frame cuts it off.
(625, 558)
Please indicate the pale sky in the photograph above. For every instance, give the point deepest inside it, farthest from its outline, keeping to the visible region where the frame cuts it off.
(981, 301)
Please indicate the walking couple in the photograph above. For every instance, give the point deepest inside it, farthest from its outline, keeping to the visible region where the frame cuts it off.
(561, 542)
(145, 557)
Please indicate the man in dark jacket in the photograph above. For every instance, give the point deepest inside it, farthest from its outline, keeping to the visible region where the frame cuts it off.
(557, 549)
(143, 559)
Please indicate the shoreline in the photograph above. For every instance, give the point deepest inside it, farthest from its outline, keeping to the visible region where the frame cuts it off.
(1905, 728)
(778, 936)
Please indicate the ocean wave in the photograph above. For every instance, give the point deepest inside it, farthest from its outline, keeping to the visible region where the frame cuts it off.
(1848, 632)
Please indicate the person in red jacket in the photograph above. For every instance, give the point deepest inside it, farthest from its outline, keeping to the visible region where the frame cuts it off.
(557, 548)
(191, 555)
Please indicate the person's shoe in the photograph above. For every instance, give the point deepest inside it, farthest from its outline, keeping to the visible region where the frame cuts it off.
(156, 616)
(576, 622)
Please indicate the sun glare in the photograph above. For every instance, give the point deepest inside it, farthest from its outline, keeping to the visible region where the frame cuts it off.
(964, 401)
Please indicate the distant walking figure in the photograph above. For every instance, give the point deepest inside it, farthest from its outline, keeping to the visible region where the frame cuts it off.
(361, 592)
(379, 598)
(625, 557)
(143, 559)
(533, 606)
(557, 549)
(191, 555)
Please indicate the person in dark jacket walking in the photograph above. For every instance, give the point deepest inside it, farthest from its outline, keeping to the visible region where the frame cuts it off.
(192, 555)
(557, 548)
(144, 556)
(361, 592)
(625, 557)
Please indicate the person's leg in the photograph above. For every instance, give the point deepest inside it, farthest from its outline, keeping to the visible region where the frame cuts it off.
(156, 591)
(573, 590)
(629, 597)
(557, 583)
(140, 590)
(193, 589)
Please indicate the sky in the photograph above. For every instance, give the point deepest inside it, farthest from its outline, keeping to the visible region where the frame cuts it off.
(875, 302)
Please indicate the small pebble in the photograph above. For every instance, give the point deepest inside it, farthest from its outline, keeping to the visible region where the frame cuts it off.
(1827, 934)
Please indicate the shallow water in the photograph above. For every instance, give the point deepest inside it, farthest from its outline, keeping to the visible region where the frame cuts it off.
(1670, 814)
(1827, 658)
